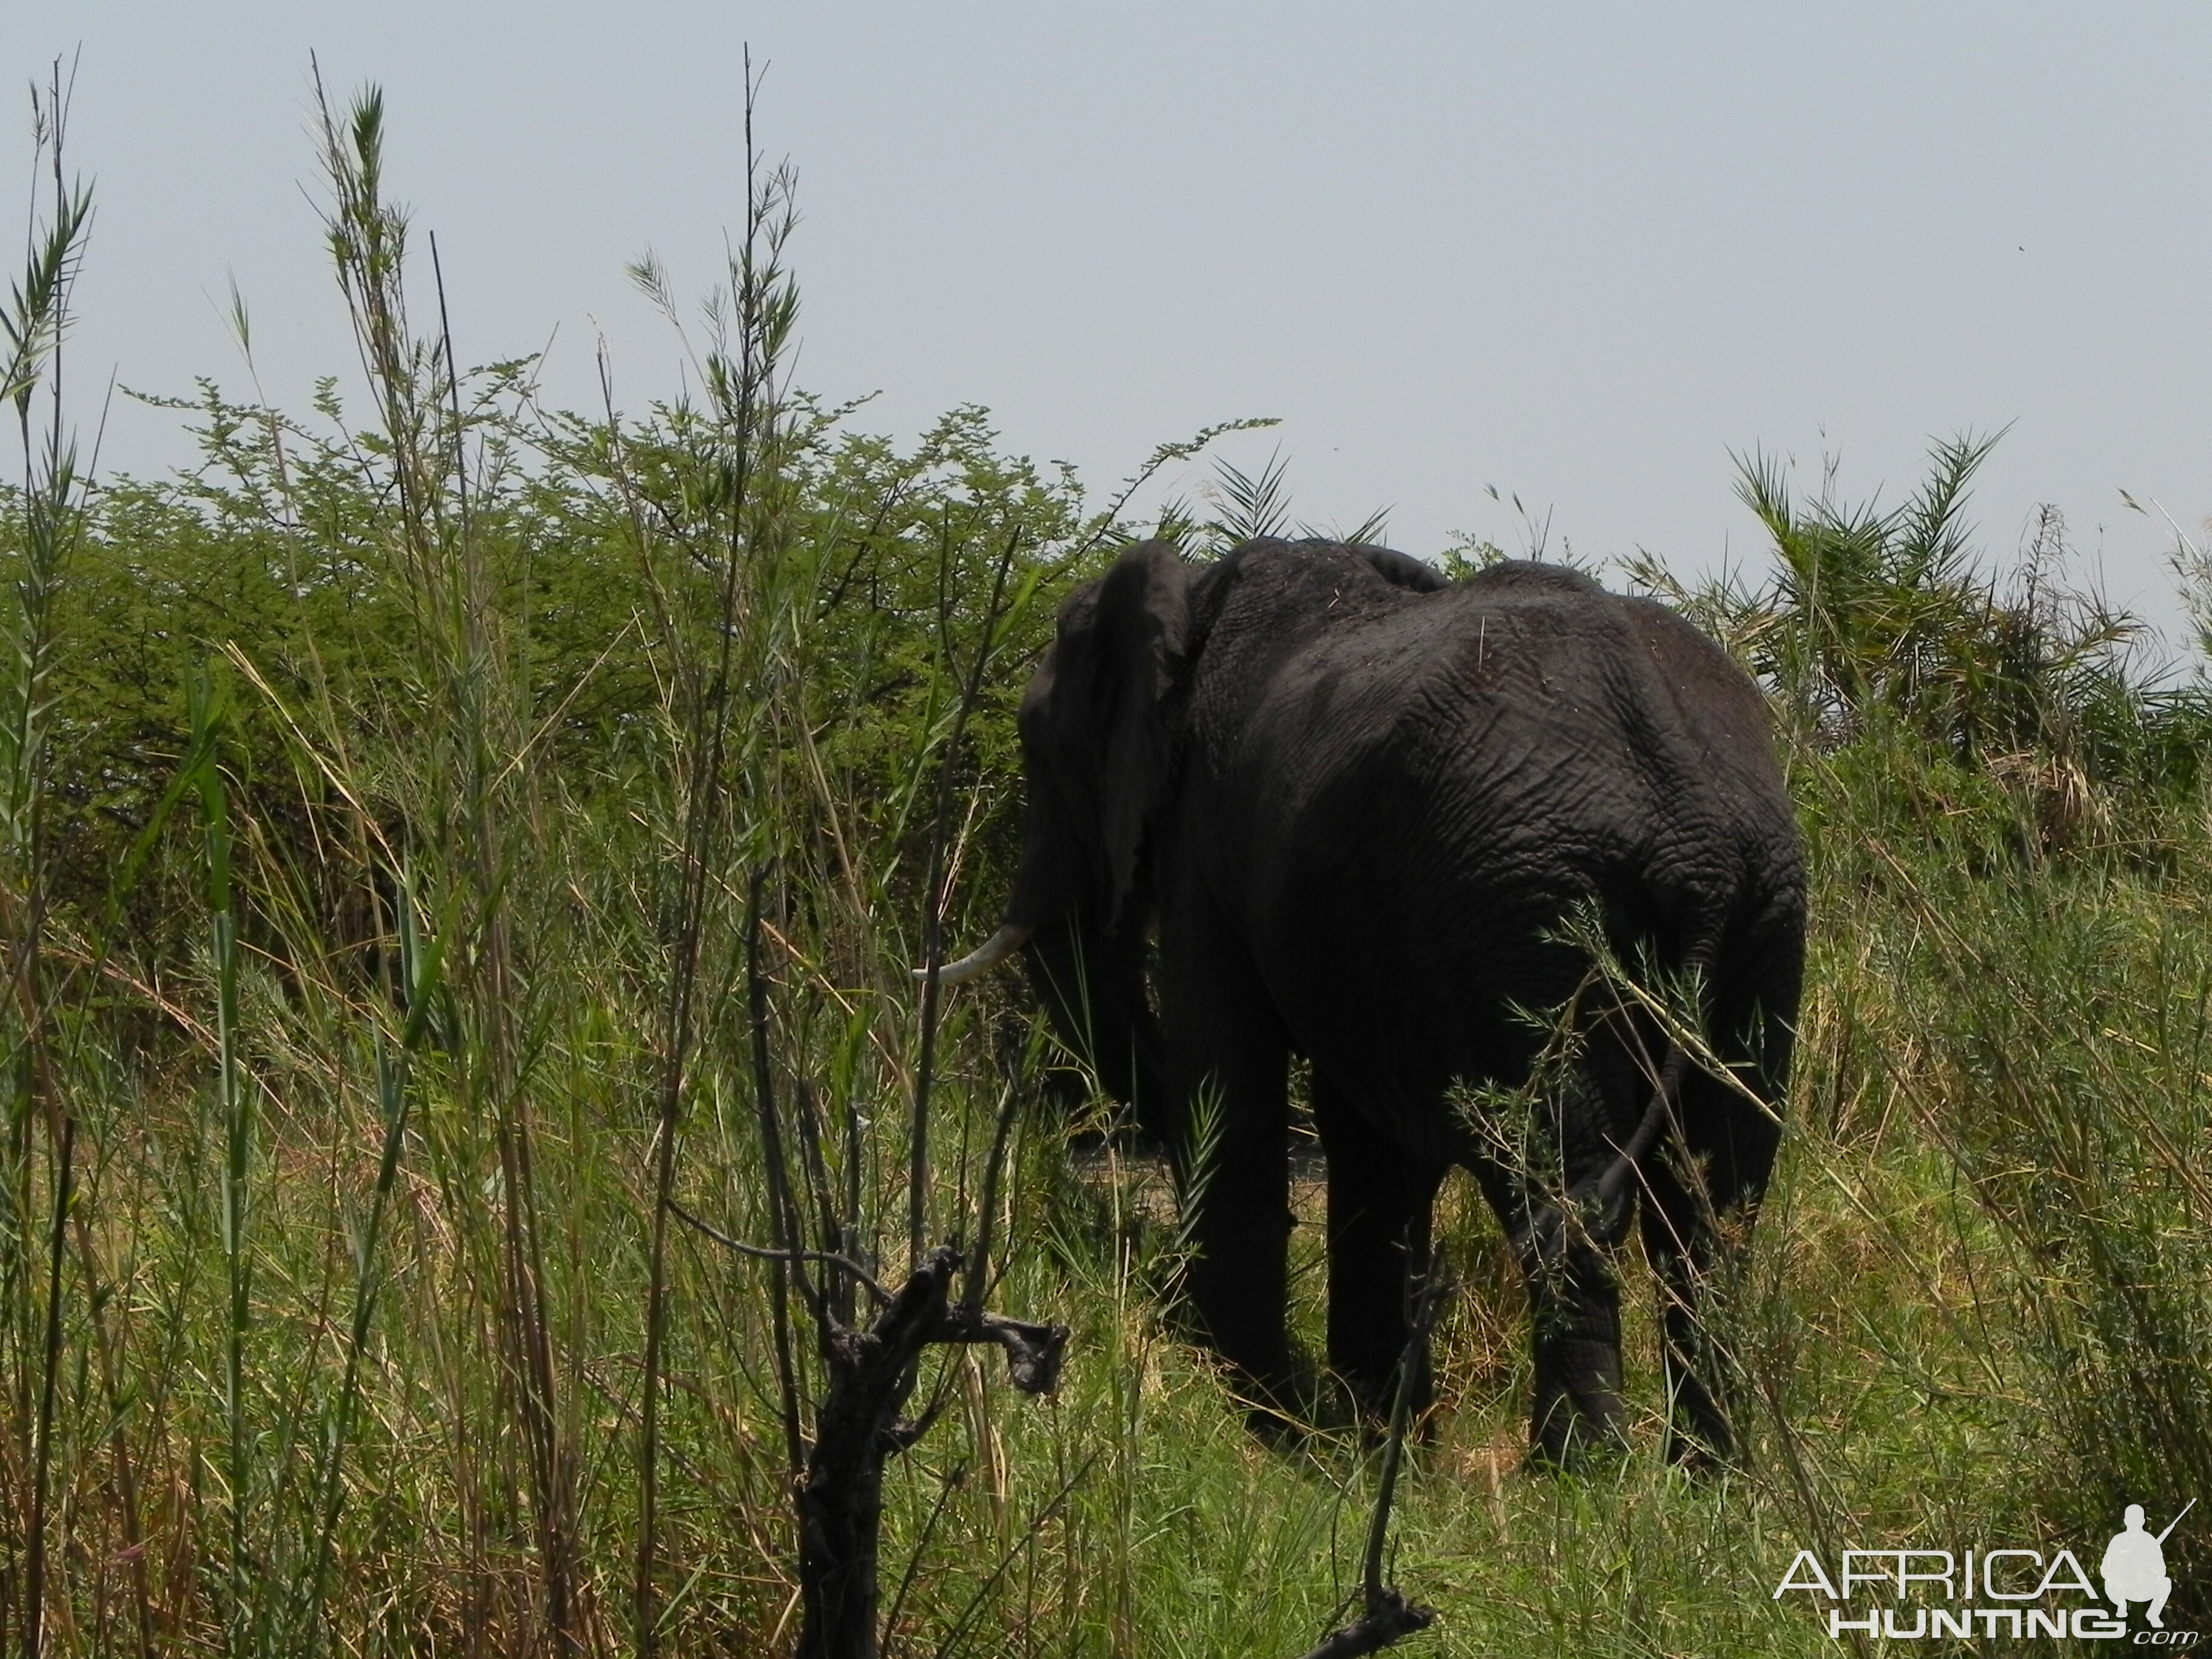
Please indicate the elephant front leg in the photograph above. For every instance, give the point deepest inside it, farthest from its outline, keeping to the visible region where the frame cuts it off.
(1237, 1203)
(1231, 1063)
(1380, 1201)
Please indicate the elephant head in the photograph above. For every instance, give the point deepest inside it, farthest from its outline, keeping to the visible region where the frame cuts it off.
(1098, 751)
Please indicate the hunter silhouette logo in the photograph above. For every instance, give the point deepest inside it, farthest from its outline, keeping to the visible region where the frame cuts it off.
(2008, 1594)
(2135, 1566)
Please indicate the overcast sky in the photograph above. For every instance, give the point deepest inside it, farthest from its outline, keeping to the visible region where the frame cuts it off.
(1578, 253)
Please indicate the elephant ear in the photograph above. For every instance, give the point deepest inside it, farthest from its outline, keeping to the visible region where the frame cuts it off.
(1141, 627)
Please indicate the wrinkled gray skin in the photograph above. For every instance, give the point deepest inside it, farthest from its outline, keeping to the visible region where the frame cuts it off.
(1357, 803)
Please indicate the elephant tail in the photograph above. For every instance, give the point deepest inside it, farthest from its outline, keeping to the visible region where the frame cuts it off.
(1611, 1209)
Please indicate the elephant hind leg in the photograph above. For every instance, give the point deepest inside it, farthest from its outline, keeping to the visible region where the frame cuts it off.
(1565, 1236)
(1696, 1221)
(1380, 1201)
(1574, 1306)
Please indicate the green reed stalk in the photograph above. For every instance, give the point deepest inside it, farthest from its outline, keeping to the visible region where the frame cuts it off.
(50, 522)
(234, 1108)
(477, 816)
(745, 445)
(422, 971)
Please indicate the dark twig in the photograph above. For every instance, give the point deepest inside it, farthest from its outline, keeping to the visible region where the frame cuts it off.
(952, 1483)
(1388, 1616)
(704, 750)
(781, 1220)
(1389, 1619)
(1007, 1557)
(993, 1172)
(934, 921)
(871, 1375)
(844, 1264)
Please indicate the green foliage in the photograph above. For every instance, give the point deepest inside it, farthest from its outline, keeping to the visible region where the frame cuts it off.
(2003, 714)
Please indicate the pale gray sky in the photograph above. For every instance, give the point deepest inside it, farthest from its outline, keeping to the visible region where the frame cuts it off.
(1577, 251)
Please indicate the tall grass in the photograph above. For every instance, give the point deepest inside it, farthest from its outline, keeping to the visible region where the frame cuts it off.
(50, 521)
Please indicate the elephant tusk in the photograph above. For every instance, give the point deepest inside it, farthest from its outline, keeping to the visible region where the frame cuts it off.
(984, 957)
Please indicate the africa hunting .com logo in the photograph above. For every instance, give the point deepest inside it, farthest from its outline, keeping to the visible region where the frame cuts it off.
(1942, 1594)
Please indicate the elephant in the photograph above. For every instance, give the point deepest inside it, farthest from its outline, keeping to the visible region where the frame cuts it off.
(1358, 809)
